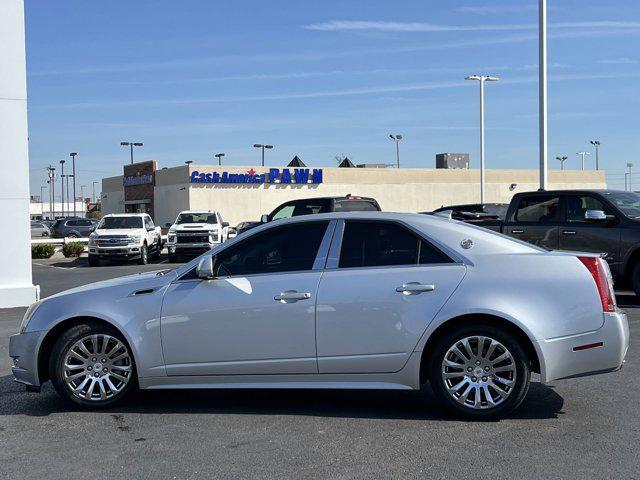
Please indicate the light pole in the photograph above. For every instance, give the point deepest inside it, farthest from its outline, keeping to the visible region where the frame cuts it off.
(582, 155)
(62, 187)
(481, 79)
(542, 90)
(629, 165)
(73, 166)
(219, 157)
(42, 187)
(131, 144)
(52, 187)
(396, 138)
(82, 187)
(596, 143)
(562, 160)
(94, 192)
(188, 162)
(260, 145)
(66, 192)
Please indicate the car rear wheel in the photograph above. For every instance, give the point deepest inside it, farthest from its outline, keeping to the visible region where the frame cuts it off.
(71, 235)
(479, 372)
(91, 365)
(144, 255)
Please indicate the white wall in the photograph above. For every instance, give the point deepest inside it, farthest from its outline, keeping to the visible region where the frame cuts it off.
(16, 287)
(36, 209)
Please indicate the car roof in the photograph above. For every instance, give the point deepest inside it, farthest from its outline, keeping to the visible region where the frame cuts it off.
(602, 191)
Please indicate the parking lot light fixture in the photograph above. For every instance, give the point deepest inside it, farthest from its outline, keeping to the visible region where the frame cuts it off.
(73, 173)
(629, 166)
(562, 160)
(262, 146)
(188, 162)
(219, 157)
(94, 192)
(62, 186)
(596, 143)
(396, 138)
(131, 145)
(481, 79)
(582, 155)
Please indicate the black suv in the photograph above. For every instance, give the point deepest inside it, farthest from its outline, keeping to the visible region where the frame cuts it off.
(310, 206)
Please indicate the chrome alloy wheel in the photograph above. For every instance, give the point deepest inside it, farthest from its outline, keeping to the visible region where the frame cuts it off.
(97, 367)
(479, 372)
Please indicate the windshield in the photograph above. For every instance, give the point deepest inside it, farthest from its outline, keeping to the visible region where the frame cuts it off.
(628, 203)
(196, 218)
(112, 223)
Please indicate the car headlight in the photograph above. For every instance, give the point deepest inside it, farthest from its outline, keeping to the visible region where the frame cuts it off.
(92, 239)
(28, 314)
(134, 238)
(171, 238)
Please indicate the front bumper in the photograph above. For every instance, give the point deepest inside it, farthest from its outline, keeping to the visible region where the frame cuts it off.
(23, 349)
(186, 248)
(120, 251)
(558, 359)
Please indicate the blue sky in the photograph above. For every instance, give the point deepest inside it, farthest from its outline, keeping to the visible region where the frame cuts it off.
(320, 79)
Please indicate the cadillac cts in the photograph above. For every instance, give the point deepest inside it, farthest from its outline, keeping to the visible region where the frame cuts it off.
(355, 300)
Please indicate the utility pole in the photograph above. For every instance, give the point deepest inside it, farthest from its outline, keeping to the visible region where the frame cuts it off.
(396, 138)
(629, 165)
(42, 187)
(52, 184)
(73, 163)
(596, 143)
(542, 67)
(583, 154)
(94, 192)
(481, 79)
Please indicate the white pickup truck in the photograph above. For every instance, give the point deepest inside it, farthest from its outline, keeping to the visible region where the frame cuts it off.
(126, 236)
(195, 232)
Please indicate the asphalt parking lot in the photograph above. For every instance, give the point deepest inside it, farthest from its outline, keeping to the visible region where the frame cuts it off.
(588, 427)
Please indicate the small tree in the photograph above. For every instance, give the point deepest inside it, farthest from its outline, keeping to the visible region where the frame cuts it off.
(42, 250)
(72, 249)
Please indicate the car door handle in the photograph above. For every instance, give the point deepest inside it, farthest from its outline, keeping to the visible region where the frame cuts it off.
(413, 288)
(292, 296)
(568, 232)
(517, 231)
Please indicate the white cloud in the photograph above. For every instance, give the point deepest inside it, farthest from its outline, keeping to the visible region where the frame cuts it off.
(618, 61)
(382, 26)
(497, 9)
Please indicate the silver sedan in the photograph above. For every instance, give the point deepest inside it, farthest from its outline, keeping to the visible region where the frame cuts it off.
(353, 300)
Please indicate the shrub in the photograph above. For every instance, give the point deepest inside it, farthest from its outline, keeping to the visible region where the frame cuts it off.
(72, 249)
(42, 250)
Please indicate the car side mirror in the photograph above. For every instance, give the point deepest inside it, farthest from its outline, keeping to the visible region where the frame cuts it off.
(264, 218)
(595, 216)
(204, 270)
(225, 224)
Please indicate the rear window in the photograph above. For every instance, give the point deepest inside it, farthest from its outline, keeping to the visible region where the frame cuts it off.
(347, 205)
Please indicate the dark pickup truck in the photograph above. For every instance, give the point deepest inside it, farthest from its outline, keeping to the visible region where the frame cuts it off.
(598, 221)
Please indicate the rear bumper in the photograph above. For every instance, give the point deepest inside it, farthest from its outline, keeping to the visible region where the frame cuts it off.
(23, 349)
(559, 360)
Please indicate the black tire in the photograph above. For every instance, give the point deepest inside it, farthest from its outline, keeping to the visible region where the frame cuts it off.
(517, 391)
(57, 370)
(635, 279)
(156, 251)
(71, 235)
(94, 261)
(144, 255)
(173, 258)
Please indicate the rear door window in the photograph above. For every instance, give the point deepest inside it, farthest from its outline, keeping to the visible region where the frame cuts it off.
(372, 244)
(538, 209)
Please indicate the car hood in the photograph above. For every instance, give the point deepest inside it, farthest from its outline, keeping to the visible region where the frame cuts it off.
(119, 231)
(153, 279)
(195, 226)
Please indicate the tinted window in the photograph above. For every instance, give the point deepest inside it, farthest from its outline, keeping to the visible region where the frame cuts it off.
(577, 206)
(355, 206)
(286, 249)
(627, 202)
(113, 223)
(541, 209)
(286, 211)
(310, 207)
(196, 218)
(84, 223)
(369, 244)
(72, 223)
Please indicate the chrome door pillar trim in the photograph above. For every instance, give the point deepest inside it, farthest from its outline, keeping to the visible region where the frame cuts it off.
(333, 258)
(323, 250)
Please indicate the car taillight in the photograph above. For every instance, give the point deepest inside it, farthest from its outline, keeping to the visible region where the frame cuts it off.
(602, 277)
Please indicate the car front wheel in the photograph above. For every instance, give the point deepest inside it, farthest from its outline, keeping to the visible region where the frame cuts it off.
(479, 372)
(144, 255)
(91, 366)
